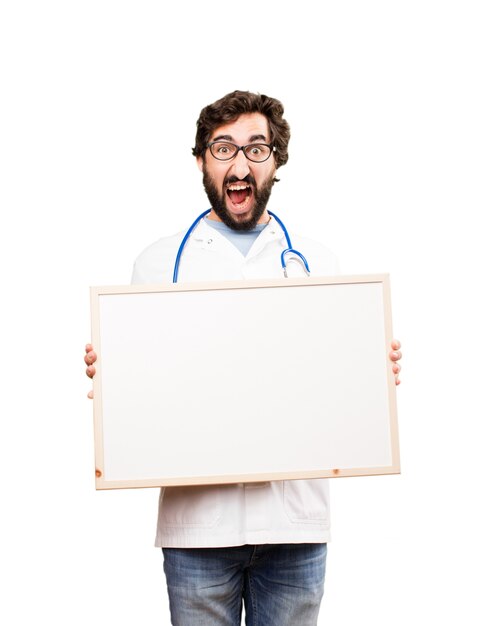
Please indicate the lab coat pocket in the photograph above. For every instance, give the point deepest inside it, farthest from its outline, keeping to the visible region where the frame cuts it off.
(197, 507)
(306, 501)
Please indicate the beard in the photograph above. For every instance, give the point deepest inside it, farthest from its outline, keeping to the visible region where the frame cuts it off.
(240, 222)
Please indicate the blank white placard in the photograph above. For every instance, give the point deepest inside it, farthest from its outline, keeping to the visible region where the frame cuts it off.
(243, 381)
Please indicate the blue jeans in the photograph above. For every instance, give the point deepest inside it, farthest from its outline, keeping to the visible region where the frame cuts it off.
(281, 585)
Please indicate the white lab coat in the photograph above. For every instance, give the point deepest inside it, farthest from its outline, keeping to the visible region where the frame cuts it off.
(228, 515)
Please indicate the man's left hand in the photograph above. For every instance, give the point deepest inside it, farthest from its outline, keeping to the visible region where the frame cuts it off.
(395, 356)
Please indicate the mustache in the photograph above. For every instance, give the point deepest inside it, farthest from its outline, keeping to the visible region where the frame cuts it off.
(234, 179)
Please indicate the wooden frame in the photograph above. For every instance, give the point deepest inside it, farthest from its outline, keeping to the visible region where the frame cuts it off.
(243, 381)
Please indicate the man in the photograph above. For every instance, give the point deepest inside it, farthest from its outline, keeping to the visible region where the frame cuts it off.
(263, 542)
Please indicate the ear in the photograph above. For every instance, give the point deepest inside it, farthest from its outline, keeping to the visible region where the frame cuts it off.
(200, 163)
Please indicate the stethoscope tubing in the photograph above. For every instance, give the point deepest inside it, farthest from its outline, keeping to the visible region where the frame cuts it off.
(288, 250)
(183, 243)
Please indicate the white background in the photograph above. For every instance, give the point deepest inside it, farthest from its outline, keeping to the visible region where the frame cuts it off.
(98, 108)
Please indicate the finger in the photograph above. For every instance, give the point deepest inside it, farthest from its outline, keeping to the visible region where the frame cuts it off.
(90, 394)
(395, 356)
(397, 381)
(395, 344)
(90, 371)
(90, 357)
(396, 367)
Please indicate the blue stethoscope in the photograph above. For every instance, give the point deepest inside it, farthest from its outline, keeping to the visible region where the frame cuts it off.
(288, 249)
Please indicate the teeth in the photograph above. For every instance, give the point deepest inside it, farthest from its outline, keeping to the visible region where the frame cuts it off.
(238, 187)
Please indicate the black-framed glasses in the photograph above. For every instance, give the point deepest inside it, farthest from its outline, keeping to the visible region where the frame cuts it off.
(225, 150)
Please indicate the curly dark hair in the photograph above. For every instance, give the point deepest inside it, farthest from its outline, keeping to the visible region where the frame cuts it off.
(230, 107)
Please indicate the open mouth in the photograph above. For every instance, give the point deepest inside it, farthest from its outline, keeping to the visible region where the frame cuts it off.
(239, 194)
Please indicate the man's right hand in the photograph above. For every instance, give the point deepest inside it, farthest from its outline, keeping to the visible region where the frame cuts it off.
(90, 358)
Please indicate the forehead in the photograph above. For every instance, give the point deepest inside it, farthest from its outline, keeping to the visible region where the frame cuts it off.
(248, 127)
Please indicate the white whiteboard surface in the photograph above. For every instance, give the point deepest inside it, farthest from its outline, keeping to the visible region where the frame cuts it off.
(243, 381)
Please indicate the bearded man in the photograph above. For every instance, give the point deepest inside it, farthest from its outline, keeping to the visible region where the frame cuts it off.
(261, 545)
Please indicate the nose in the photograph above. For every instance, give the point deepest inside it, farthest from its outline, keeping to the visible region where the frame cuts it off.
(240, 167)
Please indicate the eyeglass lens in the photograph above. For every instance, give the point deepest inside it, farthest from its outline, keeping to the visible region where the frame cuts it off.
(223, 150)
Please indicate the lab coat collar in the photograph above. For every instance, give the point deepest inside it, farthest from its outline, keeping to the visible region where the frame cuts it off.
(206, 236)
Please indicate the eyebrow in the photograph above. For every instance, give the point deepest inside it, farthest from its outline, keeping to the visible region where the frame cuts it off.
(251, 139)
